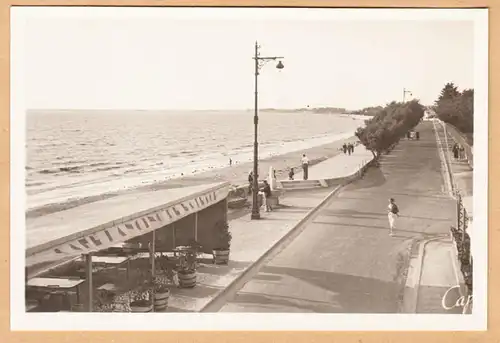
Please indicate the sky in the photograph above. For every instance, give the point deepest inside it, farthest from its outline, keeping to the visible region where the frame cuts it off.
(156, 60)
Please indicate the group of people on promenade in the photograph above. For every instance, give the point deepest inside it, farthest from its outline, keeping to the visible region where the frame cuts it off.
(348, 148)
(305, 167)
(458, 152)
(264, 191)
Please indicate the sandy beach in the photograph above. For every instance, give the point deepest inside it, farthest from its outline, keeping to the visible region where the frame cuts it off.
(237, 175)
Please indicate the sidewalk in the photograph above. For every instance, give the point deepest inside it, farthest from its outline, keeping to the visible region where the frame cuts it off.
(438, 291)
(440, 279)
(252, 239)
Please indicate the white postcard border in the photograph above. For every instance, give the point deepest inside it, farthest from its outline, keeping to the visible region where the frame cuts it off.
(231, 321)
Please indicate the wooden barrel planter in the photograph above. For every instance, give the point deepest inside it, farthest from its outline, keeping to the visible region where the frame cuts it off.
(77, 308)
(187, 278)
(141, 306)
(161, 299)
(221, 256)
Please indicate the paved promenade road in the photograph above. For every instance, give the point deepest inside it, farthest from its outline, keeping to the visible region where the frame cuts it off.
(345, 261)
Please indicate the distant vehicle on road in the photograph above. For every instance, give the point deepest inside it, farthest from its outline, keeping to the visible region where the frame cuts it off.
(412, 134)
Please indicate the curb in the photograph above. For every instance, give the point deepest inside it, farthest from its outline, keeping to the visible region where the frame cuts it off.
(445, 168)
(412, 285)
(213, 305)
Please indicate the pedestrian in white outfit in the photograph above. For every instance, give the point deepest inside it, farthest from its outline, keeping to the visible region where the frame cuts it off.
(392, 213)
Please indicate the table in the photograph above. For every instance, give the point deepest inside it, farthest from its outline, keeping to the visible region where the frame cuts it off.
(56, 284)
(112, 260)
(110, 287)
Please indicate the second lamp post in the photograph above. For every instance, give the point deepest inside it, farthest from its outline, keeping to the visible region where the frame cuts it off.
(259, 63)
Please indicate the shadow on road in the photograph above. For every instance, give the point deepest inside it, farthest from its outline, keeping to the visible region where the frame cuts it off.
(340, 293)
(373, 177)
(373, 215)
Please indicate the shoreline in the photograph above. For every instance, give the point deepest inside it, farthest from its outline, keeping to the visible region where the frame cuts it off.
(237, 175)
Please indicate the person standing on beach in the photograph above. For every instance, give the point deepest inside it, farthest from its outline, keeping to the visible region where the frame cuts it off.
(349, 148)
(344, 148)
(291, 174)
(392, 213)
(305, 166)
(230, 162)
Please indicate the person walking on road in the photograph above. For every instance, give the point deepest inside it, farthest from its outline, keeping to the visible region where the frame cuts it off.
(344, 148)
(305, 166)
(392, 213)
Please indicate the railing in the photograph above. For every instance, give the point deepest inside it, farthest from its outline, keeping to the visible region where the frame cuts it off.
(462, 242)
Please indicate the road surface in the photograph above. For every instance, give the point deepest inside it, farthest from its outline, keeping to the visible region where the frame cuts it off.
(344, 261)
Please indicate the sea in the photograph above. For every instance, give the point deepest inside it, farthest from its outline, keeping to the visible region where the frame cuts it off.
(79, 153)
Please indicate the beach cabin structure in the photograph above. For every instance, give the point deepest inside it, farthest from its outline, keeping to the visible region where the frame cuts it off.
(164, 218)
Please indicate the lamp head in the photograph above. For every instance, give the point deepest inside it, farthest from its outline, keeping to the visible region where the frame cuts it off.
(280, 65)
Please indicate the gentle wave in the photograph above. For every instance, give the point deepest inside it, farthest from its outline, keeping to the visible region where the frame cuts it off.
(91, 155)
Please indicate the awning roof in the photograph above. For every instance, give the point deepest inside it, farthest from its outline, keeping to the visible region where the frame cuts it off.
(98, 225)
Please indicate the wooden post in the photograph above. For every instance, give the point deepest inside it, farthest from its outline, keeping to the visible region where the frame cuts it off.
(173, 235)
(226, 202)
(196, 226)
(153, 248)
(88, 273)
(153, 271)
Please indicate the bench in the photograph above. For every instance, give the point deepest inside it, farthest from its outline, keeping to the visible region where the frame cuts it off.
(273, 200)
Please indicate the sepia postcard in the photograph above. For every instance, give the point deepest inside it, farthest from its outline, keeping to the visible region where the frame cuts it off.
(249, 169)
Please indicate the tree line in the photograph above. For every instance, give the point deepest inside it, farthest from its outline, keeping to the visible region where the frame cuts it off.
(389, 125)
(456, 108)
(368, 111)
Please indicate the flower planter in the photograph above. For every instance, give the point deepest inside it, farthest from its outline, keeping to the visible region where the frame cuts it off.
(187, 278)
(77, 308)
(221, 256)
(141, 306)
(161, 299)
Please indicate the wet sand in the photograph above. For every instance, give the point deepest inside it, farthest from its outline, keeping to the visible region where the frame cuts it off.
(237, 175)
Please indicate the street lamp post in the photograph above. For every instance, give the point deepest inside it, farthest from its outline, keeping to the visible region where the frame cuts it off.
(259, 63)
(405, 91)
